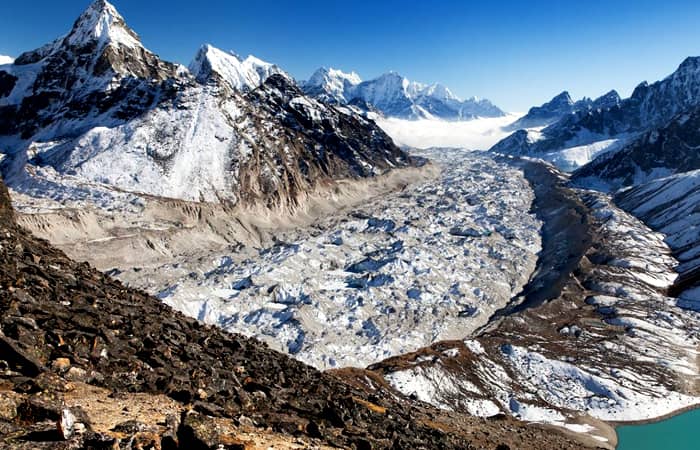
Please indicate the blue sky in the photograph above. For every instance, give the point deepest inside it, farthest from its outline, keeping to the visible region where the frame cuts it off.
(515, 53)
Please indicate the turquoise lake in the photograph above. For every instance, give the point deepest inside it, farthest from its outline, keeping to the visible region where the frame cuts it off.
(676, 433)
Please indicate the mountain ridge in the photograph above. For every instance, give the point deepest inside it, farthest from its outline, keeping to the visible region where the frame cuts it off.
(395, 96)
(649, 106)
(97, 106)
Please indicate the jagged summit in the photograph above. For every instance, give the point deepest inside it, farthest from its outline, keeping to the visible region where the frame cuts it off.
(325, 73)
(394, 95)
(564, 98)
(610, 123)
(99, 46)
(102, 22)
(331, 85)
(560, 106)
(608, 100)
(95, 104)
(213, 64)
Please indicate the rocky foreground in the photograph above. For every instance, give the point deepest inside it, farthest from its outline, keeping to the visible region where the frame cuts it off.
(88, 363)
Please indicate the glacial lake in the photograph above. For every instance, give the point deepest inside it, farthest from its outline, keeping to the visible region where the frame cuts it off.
(677, 433)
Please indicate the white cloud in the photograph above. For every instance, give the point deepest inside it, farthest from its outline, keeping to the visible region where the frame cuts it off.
(6, 60)
(478, 134)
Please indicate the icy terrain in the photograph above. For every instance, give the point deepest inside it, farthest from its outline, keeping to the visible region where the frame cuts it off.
(429, 263)
(612, 345)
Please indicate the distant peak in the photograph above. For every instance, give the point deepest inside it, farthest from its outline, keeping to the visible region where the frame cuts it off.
(612, 94)
(102, 23)
(564, 95)
(212, 63)
(325, 74)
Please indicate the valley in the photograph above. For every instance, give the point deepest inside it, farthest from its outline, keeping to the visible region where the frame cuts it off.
(336, 262)
(486, 286)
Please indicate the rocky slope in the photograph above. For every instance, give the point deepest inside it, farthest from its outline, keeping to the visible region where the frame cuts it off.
(395, 96)
(89, 363)
(650, 106)
(670, 206)
(96, 109)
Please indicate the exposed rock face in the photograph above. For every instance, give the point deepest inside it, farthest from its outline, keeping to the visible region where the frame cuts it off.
(331, 85)
(69, 332)
(98, 106)
(649, 107)
(657, 153)
(99, 67)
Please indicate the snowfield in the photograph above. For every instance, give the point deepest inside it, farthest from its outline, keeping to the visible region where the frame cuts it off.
(429, 263)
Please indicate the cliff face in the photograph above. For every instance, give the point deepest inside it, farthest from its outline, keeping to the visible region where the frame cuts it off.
(78, 348)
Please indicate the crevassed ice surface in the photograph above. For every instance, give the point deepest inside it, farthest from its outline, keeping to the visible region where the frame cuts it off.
(429, 263)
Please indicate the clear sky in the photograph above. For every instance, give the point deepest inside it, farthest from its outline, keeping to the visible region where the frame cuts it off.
(516, 53)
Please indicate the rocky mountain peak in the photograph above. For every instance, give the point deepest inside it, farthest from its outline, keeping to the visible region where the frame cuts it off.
(607, 100)
(331, 85)
(212, 64)
(101, 44)
(562, 99)
(640, 90)
(442, 92)
(393, 95)
(101, 22)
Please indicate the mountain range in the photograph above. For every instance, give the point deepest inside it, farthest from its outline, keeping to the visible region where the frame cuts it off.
(97, 106)
(395, 96)
(627, 140)
(560, 106)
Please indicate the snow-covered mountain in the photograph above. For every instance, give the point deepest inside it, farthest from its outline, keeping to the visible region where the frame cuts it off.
(560, 106)
(395, 96)
(657, 153)
(6, 60)
(96, 106)
(613, 121)
(241, 74)
(331, 85)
